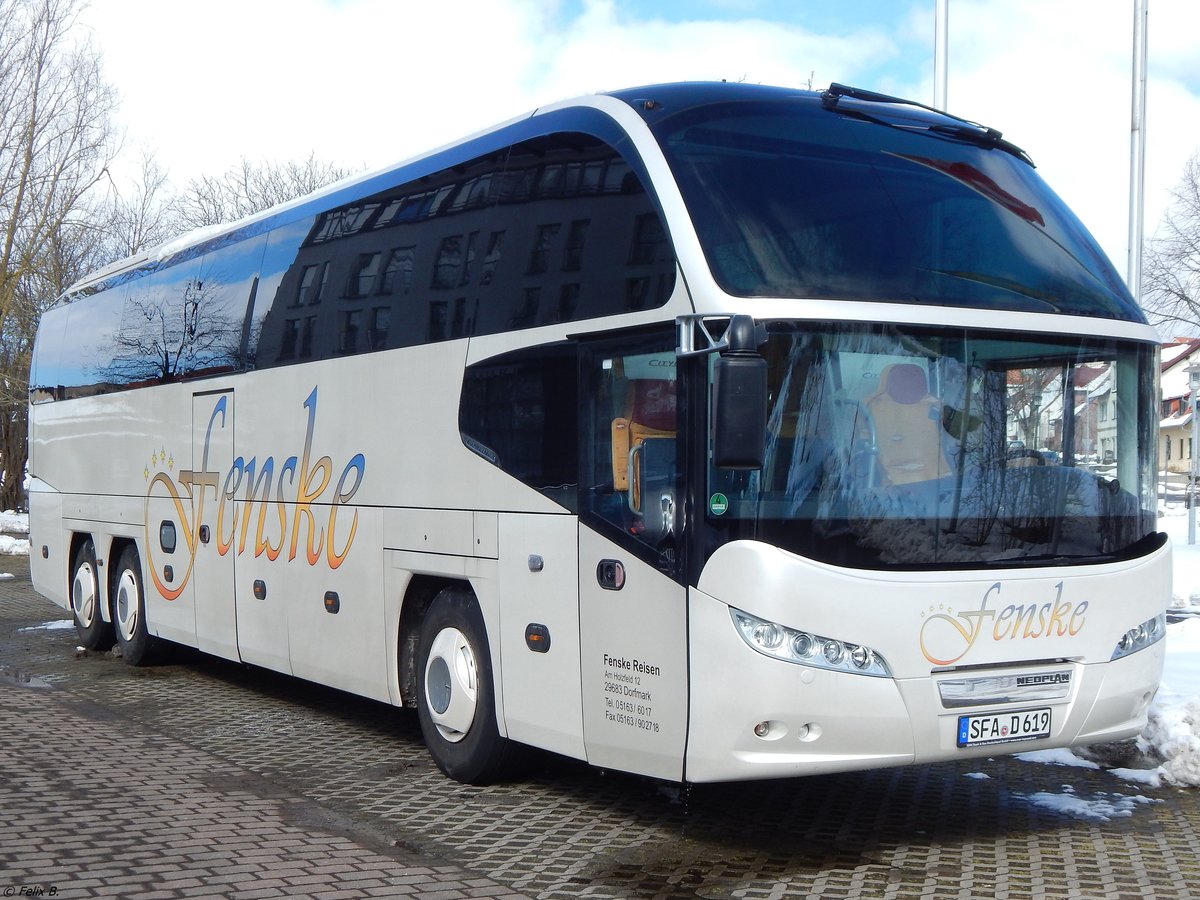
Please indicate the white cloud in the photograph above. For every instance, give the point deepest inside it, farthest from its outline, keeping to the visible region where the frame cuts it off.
(372, 81)
(367, 82)
(623, 52)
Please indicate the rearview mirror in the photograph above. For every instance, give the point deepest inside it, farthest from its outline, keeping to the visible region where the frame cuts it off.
(739, 407)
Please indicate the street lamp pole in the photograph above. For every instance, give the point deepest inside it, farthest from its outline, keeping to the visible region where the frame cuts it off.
(941, 52)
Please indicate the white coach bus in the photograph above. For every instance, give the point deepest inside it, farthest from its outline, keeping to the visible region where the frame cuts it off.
(706, 432)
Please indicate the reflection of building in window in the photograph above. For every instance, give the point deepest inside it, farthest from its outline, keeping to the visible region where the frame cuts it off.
(381, 321)
(344, 221)
(573, 252)
(240, 306)
(550, 182)
(586, 234)
(362, 275)
(637, 293)
(306, 336)
(398, 273)
(539, 259)
(449, 260)
(291, 334)
(317, 291)
(469, 259)
(458, 326)
(491, 259)
(591, 177)
(526, 314)
(648, 237)
(568, 301)
(307, 277)
(348, 340)
(473, 194)
(437, 321)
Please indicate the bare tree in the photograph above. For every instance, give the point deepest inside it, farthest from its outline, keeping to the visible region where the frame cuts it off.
(162, 340)
(144, 216)
(252, 187)
(56, 141)
(1171, 280)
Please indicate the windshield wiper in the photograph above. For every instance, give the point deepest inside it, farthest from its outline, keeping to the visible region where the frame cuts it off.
(958, 128)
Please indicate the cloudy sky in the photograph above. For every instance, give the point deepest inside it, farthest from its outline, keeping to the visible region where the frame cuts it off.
(366, 82)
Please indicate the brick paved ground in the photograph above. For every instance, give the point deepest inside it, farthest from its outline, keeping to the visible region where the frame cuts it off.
(94, 804)
(96, 807)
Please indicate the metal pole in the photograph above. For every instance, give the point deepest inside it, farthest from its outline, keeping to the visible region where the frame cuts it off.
(1137, 150)
(941, 24)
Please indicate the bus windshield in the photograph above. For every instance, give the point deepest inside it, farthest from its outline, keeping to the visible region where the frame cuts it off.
(893, 446)
(792, 200)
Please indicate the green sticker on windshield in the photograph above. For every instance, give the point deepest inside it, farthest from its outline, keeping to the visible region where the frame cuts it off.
(718, 504)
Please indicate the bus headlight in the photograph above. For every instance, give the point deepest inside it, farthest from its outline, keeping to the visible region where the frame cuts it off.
(1149, 632)
(807, 649)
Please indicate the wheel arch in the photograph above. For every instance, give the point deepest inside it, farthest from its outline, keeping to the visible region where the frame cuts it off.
(418, 596)
(116, 548)
(78, 539)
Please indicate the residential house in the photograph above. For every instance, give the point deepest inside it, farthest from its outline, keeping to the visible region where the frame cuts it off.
(1175, 428)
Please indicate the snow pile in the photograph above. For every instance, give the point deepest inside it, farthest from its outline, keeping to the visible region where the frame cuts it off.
(1172, 734)
(13, 523)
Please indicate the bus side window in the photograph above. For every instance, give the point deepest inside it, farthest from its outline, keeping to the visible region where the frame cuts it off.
(519, 412)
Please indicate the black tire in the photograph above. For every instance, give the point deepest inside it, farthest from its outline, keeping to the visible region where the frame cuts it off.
(94, 633)
(129, 611)
(455, 692)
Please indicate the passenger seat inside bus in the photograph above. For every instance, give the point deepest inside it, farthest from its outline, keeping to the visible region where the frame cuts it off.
(649, 420)
(908, 426)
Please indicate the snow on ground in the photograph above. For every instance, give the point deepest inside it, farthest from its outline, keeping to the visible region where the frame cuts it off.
(1173, 732)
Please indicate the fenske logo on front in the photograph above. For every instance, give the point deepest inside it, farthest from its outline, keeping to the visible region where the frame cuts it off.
(947, 637)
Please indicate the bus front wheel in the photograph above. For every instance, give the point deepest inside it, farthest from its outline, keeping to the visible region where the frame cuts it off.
(455, 699)
(129, 611)
(94, 632)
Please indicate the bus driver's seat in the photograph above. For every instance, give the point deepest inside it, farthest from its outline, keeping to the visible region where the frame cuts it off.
(908, 426)
(648, 426)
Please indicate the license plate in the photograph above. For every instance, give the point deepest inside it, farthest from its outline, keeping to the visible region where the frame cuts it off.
(1000, 728)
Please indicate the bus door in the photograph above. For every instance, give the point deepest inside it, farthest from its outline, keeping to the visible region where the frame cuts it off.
(632, 603)
(212, 580)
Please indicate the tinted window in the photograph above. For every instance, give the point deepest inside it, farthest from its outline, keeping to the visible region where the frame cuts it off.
(187, 320)
(791, 200)
(74, 352)
(519, 412)
(555, 229)
(291, 315)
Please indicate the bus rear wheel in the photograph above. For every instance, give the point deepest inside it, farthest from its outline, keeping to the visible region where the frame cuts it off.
(455, 692)
(129, 611)
(94, 632)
